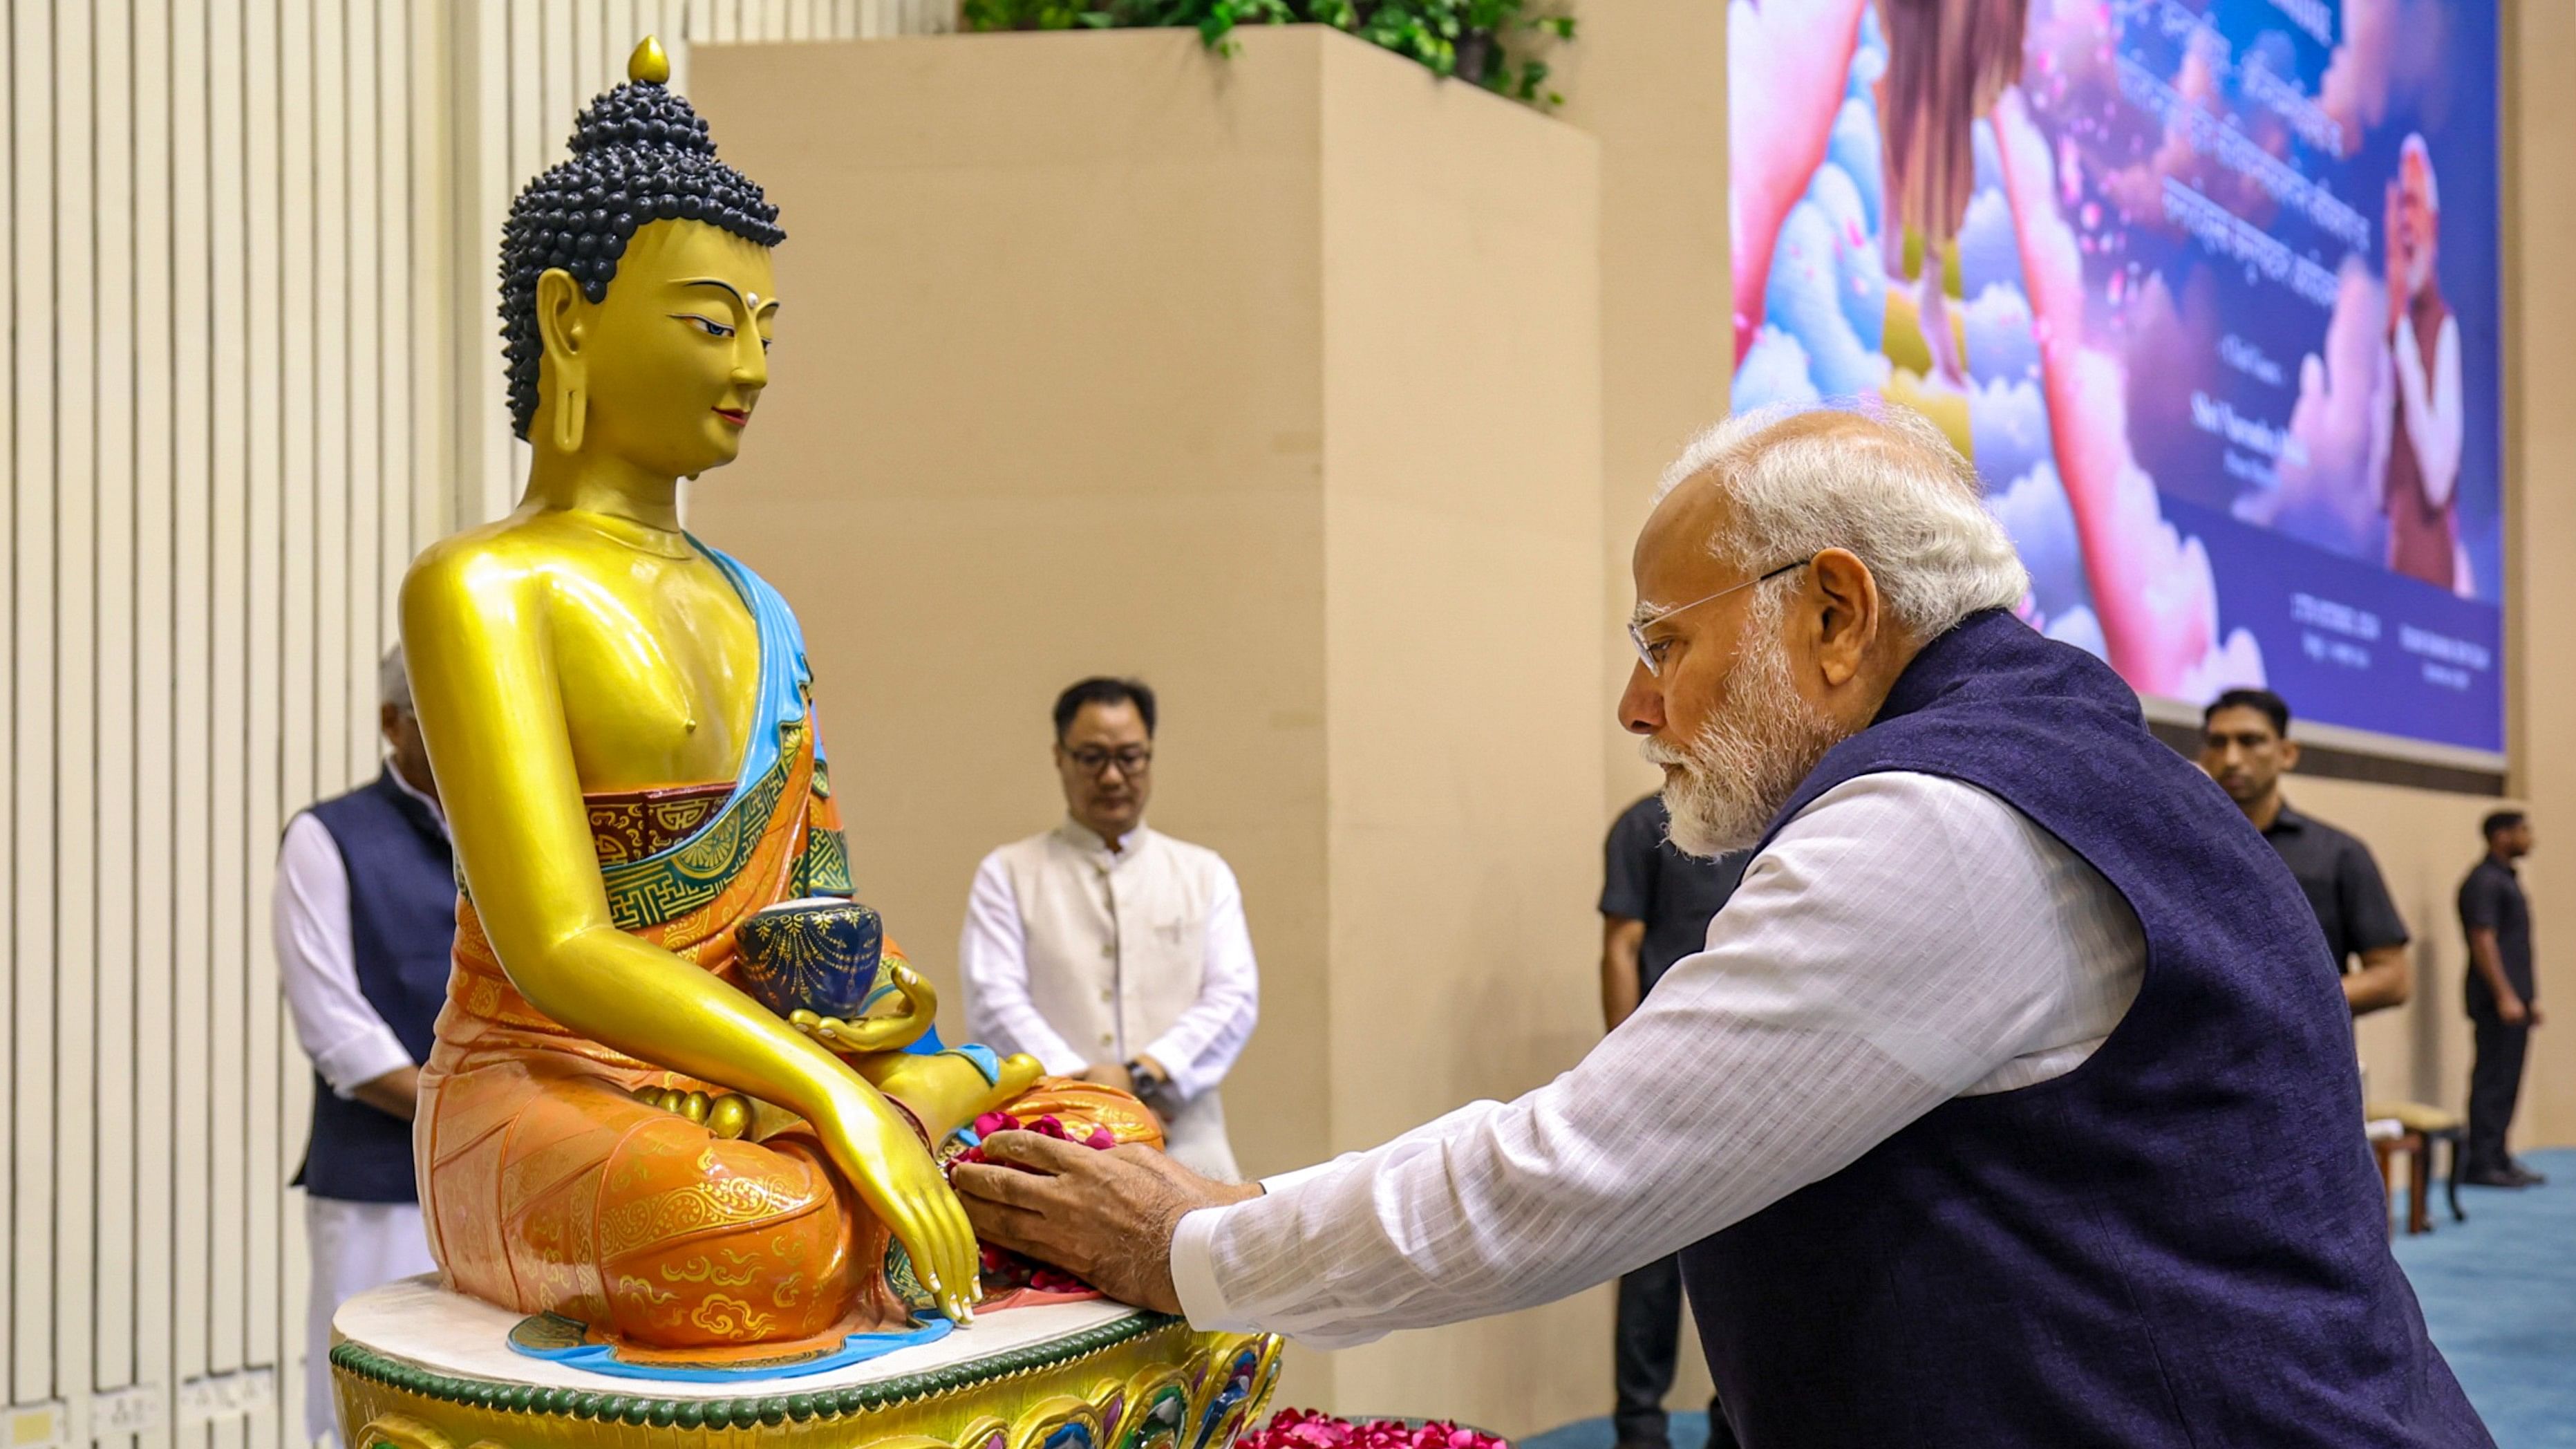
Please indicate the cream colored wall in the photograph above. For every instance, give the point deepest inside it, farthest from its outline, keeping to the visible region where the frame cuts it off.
(1647, 78)
(1045, 325)
(2540, 196)
(1275, 380)
(1462, 399)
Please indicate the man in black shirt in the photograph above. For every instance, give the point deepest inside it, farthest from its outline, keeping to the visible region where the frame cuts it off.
(2503, 997)
(1655, 907)
(2246, 747)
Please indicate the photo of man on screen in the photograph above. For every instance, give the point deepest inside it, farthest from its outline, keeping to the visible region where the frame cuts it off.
(2422, 384)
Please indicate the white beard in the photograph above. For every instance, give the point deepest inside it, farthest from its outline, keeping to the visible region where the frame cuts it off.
(2419, 271)
(1760, 741)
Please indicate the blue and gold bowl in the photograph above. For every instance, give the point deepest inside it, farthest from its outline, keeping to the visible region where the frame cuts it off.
(820, 954)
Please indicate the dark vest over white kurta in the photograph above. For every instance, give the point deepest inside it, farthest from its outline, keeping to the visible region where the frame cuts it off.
(402, 922)
(2182, 1242)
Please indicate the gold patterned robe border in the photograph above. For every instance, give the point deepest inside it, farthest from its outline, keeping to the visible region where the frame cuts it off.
(645, 893)
(630, 827)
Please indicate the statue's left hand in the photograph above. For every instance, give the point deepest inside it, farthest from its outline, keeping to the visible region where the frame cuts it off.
(877, 1033)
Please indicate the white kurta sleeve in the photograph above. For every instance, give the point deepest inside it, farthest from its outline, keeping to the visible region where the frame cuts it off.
(1905, 940)
(993, 960)
(317, 965)
(1201, 1045)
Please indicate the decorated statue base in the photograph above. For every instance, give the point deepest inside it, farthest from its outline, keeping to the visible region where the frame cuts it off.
(417, 1367)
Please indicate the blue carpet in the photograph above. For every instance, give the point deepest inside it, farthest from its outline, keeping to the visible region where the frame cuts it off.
(2499, 1293)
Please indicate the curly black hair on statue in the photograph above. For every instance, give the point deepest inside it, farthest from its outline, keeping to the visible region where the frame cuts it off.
(639, 154)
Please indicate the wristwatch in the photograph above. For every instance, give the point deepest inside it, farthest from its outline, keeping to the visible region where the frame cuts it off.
(1150, 1089)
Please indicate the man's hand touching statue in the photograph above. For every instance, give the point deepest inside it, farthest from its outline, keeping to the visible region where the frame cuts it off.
(1105, 1217)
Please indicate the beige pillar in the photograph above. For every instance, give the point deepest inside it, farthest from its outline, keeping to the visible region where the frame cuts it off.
(1647, 78)
(2540, 490)
(1274, 379)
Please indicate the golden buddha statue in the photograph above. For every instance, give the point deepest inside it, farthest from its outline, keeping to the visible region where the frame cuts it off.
(623, 727)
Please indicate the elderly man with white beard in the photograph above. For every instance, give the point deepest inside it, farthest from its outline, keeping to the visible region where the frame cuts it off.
(2011, 1102)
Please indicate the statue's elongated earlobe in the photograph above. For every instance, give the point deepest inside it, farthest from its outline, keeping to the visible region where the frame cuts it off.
(572, 414)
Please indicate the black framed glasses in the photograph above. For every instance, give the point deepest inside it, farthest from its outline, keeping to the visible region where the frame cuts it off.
(1096, 761)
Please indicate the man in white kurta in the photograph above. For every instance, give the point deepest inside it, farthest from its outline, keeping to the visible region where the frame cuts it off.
(1108, 950)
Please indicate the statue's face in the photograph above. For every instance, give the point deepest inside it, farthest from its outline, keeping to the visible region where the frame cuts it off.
(674, 360)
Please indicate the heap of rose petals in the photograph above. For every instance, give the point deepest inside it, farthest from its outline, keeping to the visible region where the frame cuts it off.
(1003, 1268)
(1306, 1429)
(1047, 1126)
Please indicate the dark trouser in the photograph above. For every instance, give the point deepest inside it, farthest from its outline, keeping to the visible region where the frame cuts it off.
(2495, 1081)
(1643, 1355)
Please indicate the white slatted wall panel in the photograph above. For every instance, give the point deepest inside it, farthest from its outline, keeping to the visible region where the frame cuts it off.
(253, 368)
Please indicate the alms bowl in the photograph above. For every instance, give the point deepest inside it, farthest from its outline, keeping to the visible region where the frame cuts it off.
(820, 954)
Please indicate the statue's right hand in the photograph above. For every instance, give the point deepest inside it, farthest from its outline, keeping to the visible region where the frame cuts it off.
(877, 1150)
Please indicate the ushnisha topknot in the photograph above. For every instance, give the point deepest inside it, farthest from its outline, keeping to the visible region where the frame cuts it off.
(639, 154)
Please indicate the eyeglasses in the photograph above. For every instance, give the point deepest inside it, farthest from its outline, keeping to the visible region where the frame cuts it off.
(1094, 761)
(1650, 652)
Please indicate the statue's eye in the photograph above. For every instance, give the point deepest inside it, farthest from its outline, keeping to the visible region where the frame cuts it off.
(709, 325)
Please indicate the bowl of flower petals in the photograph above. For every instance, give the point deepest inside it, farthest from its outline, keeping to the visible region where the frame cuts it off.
(1306, 1429)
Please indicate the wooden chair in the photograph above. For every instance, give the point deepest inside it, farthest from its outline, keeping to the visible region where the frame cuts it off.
(2388, 1138)
(2413, 1128)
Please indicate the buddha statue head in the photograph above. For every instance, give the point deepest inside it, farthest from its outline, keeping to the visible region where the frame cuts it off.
(636, 292)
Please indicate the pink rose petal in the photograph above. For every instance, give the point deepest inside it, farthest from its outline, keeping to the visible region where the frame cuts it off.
(1307, 1429)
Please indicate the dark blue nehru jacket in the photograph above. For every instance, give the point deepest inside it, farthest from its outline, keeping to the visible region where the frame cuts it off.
(2181, 1242)
(402, 922)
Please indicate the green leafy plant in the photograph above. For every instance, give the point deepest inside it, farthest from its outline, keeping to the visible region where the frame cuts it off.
(1483, 42)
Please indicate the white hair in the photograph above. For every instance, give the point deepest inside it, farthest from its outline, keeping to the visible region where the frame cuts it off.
(2414, 146)
(1882, 482)
(393, 681)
